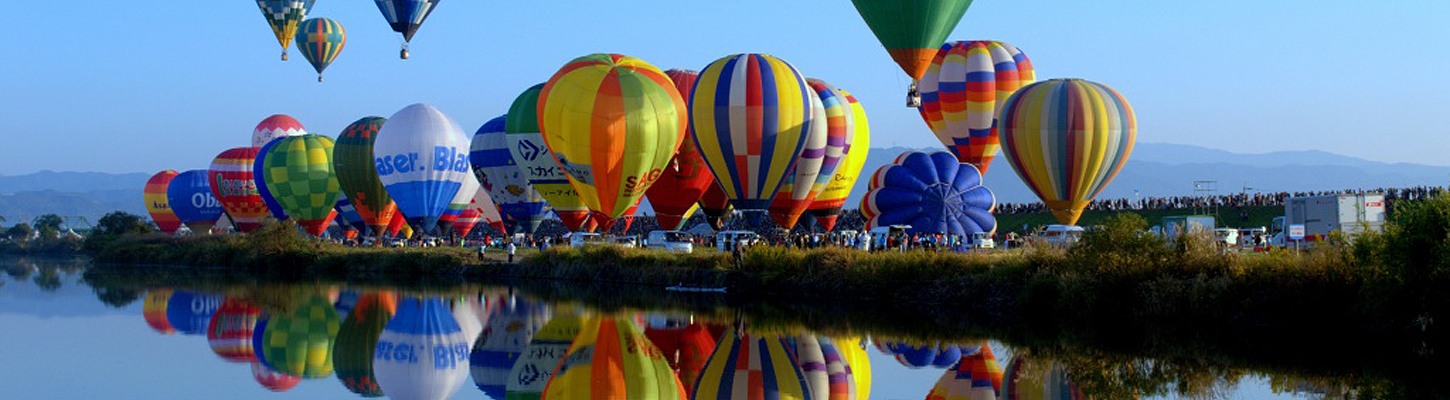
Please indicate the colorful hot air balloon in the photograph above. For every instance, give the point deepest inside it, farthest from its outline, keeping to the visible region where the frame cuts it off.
(687, 178)
(612, 122)
(535, 366)
(422, 353)
(422, 159)
(273, 380)
(480, 209)
(751, 114)
(276, 127)
(349, 217)
(827, 205)
(357, 174)
(154, 310)
(283, 16)
(190, 312)
(259, 175)
(405, 16)
(858, 363)
(810, 170)
(738, 370)
(460, 200)
(911, 30)
(611, 359)
(300, 176)
(975, 377)
(824, 368)
(230, 331)
(189, 195)
(932, 192)
(686, 347)
(502, 344)
(526, 145)
(505, 180)
(1028, 379)
(233, 185)
(716, 206)
(405, 232)
(156, 203)
(397, 225)
(1067, 139)
(300, 342)
(936, 355)
(963, 91)
(320, 40)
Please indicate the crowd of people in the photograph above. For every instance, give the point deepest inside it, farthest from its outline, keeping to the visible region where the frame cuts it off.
(1226, 200)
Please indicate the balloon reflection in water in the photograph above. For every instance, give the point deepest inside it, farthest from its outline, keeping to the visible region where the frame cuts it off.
(422, 354)
(300, 342)
(190, 312)
(824, 368)
(230, 330)
(358, 337)
(744, 365)
(686, 346)
(502, 343)
(536, 365)
(612, 359)
(273, 380)
(853, 350)
(975, 377)
(154, 310)
(936, 355)
(1027, 379)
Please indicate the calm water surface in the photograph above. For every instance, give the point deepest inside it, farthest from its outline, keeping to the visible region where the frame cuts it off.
(68, 339)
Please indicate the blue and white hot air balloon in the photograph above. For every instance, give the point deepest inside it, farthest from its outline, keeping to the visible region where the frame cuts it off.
(422, 159)
(502, 344)
(190, 197)
(350, 217)
(422, 353)
(405, 17)
(190, 312)
(503, 179)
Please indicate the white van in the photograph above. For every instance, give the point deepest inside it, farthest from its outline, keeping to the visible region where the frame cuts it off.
(671, 241)
(625, 241)
(727, 240)
(981, 240)
(581, 239)
(1061, 235)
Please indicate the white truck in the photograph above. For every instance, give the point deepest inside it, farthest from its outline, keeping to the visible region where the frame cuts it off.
(1320, 215)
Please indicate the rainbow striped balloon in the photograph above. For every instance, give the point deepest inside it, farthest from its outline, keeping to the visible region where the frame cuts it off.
(738, 369)
(1067, 139)
(751, 114)
(233, 185)
(156, 204)
(827, 205)
(858, 364)
(977, 376)
(816, 166)
(613, 122)
(964, 89)
(612, 359)
(825, 368)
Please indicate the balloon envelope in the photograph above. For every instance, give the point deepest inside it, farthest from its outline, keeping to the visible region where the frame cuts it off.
(259, 176)
(976, 376)
(739, 368)
(502, 344)
(300, 342)
(273, 380)
(276, 127)
(422, 159)
(157, 204)
(687, 348)
(357, 175)
(827, 205)
(233, 185)
(612, 359)
(505, 180)
(963, 90)
(406, 16)
(536, 364)
(230, 331)
(932, 192)
(190, 312)
(284, 16)
(299, 173)
(153, 309)
(422, 353)
(911, 30)
(800, 183)
(320, 40)
(349, 216)
(526, 145)
(686, 178)
(189, 195)
(1067, 139)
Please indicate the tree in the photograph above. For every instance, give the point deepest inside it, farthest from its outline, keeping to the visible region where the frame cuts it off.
(120, 223)
(20, 232)
(49, 226)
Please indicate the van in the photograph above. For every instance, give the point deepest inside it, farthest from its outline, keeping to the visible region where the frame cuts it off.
(1061, 235)
(981, 240)
(880, 235)
(581, 239)
(671, 241)
(1227, 236)
(727, 240)
(625, 241)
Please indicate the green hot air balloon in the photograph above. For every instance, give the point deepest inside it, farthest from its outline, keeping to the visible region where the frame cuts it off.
(299, 173)
(912, 30)
(320, 40)
(299, 342)
(353, 354)
(358, 176)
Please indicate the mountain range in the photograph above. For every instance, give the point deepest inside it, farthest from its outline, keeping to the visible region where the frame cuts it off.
(1153, 170)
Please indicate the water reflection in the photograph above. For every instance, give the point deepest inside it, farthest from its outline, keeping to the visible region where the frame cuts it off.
(510, 327)
(367, 315)
(299, 341)
(422, 353)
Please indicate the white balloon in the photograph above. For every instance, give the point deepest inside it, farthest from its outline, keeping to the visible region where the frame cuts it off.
(422, 353)
(422, 159)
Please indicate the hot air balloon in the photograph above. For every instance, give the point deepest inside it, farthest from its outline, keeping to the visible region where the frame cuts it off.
(229, 332)
(536, 364)
(505, 180)
(422, 353)
(611, 359)
(480, 209)
(526, 145)
(502, 344)
(349, 216)
(975, 377)
(963, 90)
(460, 201)
(827, 205)
(259, 344)
(357, 339)
(357, 174)
(189, 196)
(320, 40)
(716, 206)
(750, 142)
(1067, 139)
(232, 184)
(932, 192)
(273, 380)
(685, 181)
(739, 367)
(397, 224)
(275, 127)
(190, 312)
(811, 172)
(422, 159)
(925, 355)
(686, 346)
(858, 363)
(1028, 379)
(406, 232)
(259, 174)
(283, 16)
(824, 368)
(467, 318)
(911, 30)
(156, 203)
(612, 122)
(300, 342)
(154, 310)
(405, 16)
(299, 174)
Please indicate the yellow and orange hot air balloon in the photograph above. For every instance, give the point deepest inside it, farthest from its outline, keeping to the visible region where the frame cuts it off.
(613, 122)
(612, 359)
(157, 205)
(828, 204)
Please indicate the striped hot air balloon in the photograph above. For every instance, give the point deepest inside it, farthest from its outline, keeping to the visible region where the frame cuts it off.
(976, 376)
(738, 370)
(963, 91)
(300, 342)
(526, 145)
(1067, 139)
(502, 344)
(612, 359)
(504, 179)
(686, 346)
(827, 205)
(153, 309)
(157, 204)
(751, 114)
(911, 30)
(357, 174)
(405, 17)
(230, 331)
(233, 185)
(612, 123)
(687, 178)
(536, 364)
(422, 159)
(320, 40)
(276, 127)
(189, 196)
(858, 364)
(422, 353)
(300, 175)
(824, 368)
(822, 155)
(284, 16)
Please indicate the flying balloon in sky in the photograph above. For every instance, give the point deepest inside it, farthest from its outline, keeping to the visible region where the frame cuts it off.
(320, 40)
(284, 16)
(405, 17)
(964, 89)
(911, 31)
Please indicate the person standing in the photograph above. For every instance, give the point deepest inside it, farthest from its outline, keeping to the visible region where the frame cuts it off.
(511, 250)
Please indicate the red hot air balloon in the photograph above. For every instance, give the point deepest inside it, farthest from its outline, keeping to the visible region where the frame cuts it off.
(230, 331)
(157, 205)
(686, 178)
(231, 182)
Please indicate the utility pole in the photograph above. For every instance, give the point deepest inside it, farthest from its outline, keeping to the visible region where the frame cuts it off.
(1206, 190)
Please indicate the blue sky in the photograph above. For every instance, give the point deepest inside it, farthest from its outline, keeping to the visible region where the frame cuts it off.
(127, 87)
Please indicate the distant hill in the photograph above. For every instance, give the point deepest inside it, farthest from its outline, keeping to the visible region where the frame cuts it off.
(1155, 169)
